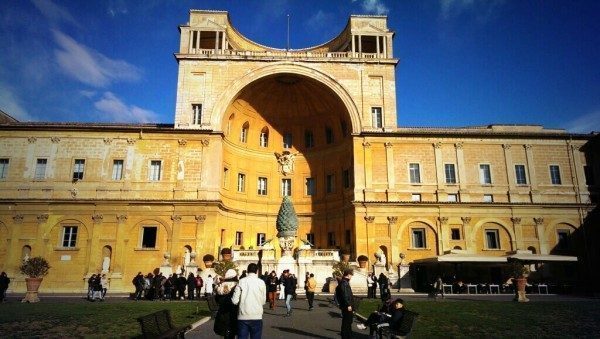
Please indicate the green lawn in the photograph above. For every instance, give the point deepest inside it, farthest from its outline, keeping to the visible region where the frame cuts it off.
(49, 319)
(499, 319)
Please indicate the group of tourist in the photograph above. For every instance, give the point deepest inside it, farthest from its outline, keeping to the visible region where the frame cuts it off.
(173, 287)
(383, 282)
(97, 287)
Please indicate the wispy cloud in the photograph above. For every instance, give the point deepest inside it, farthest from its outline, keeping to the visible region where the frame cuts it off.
(117, 7)
(585, 123)
(116, 110)
(89, 66)
(373, 6)
(54, 13)
(318, 21)
(482, 10)
(11, 104)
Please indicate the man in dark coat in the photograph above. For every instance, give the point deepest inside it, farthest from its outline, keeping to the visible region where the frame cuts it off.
(345, 298)
(4, 282)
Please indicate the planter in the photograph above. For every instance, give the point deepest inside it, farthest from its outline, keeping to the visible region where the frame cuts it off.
(520, 284)
(33, 284)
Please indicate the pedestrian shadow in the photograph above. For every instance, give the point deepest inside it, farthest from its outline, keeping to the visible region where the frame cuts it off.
(355, 334)
(334, 314)
(298, 332)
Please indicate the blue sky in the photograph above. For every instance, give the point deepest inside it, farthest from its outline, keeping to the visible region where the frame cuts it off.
(462, 62)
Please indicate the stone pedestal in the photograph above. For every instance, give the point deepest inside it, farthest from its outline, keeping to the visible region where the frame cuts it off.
(404, 280)
(166, 270)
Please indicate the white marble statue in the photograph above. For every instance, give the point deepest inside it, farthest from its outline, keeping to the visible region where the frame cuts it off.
(105, 264)
(381, 259)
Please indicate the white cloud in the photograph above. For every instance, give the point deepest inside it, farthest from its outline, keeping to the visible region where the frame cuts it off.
(87, 93)
(482, 10)
(54, 13)
(11, 104)
(318, 21)
(373, 6)
(118, 111)
(89, 66)
(585, 123)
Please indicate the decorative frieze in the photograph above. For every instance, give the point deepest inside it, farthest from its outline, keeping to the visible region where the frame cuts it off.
(369, 219)
(201, 218)
(392, 220)
(176, 217)
(538, 221)
(121, 218)
(42, 218)
(18, 218)
(97, 218)
(515, 220)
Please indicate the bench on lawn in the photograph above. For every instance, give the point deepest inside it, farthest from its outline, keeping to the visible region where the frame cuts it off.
(403, 331)
(160, 325)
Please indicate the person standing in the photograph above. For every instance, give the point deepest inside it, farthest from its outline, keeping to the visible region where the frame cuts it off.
(199, 284)
(438, 287)
(191, 286)
(370, 285)
(104, 284)
(250, 296)
(289, 288)
(208, 286)
(311, 285)
(345, 298)
(138, 282)
(384, 286)
(226, 318)
(272, 286)
(4, 282)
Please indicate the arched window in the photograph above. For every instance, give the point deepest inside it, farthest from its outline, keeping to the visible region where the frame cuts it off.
(244, 132)
(264, 137)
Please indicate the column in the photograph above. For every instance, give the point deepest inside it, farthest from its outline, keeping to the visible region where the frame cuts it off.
(579, 185)
(174, 236)
(439, 171)
(541, 234)
(200, 219)
(532, 178)
(369, 236)
(360, 45)
(469, 241)
(368, 165)
(377, 46)
(517, 243)
(121, 243)
(461, 173)
(393, 235)
(94, 259)
(510, 176)
(389, 154)
(442, 234)
(13, 258)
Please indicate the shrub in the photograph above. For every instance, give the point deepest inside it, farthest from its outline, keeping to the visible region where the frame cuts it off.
(36, 267)
(222, 266)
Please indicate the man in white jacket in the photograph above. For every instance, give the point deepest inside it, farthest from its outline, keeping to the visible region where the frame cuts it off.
(250, 294)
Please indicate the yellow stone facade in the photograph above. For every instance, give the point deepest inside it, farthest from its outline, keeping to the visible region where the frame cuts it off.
(215, 179)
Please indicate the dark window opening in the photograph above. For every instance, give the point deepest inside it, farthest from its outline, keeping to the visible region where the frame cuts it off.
(149, 237)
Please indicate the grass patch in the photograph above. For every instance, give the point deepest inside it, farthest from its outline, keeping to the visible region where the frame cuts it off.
(499, 319)
(50, 319)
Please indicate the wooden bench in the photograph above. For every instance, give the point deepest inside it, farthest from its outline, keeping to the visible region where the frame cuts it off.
(160, 325)
(403, 331)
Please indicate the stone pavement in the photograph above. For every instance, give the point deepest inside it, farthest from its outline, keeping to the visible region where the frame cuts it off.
(323, 321)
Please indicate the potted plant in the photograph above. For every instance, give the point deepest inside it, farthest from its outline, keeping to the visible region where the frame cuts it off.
(35, 269)
(362, 261)
(345, 255)
(520, 274)
(208, 260)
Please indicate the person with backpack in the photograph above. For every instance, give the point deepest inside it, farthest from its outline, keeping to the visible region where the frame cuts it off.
(199, 283)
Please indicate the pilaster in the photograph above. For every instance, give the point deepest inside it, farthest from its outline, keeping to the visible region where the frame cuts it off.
(541, 234)
(461, 173)
(517, 242)
(389, 154)
(468, 234)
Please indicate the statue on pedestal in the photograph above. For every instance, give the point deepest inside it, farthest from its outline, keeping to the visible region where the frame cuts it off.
(287, 226)
(381, 259)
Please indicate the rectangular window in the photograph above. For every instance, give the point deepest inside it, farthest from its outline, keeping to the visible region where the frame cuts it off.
(492, 239)
(377, 117)
(346, 178)
(241, 182)
(488, 198)
(589, 175)
(348, 237)
(485, 175)
(455, 233)
(563, 239)
(239, 237)
(3, 168)
(520, 175)
(287, 140)
(453, 197)
(555, 175)
(415, 173)
(40, 169)
(418, 238)
(331, 238)
(117, 172)
(78, 168)
(328, 135)
(196, 114)
(310, 186)
(310, 237)
(330, 183)
(450, 173)
(225, 177)
(286, 187)
(260, 238)
(415, 197)
(309, 140)
(155, 170)
(262, 186)
(149, 236)
(69, 238)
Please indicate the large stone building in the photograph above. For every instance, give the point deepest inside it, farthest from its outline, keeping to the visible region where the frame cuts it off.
(254, 123)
